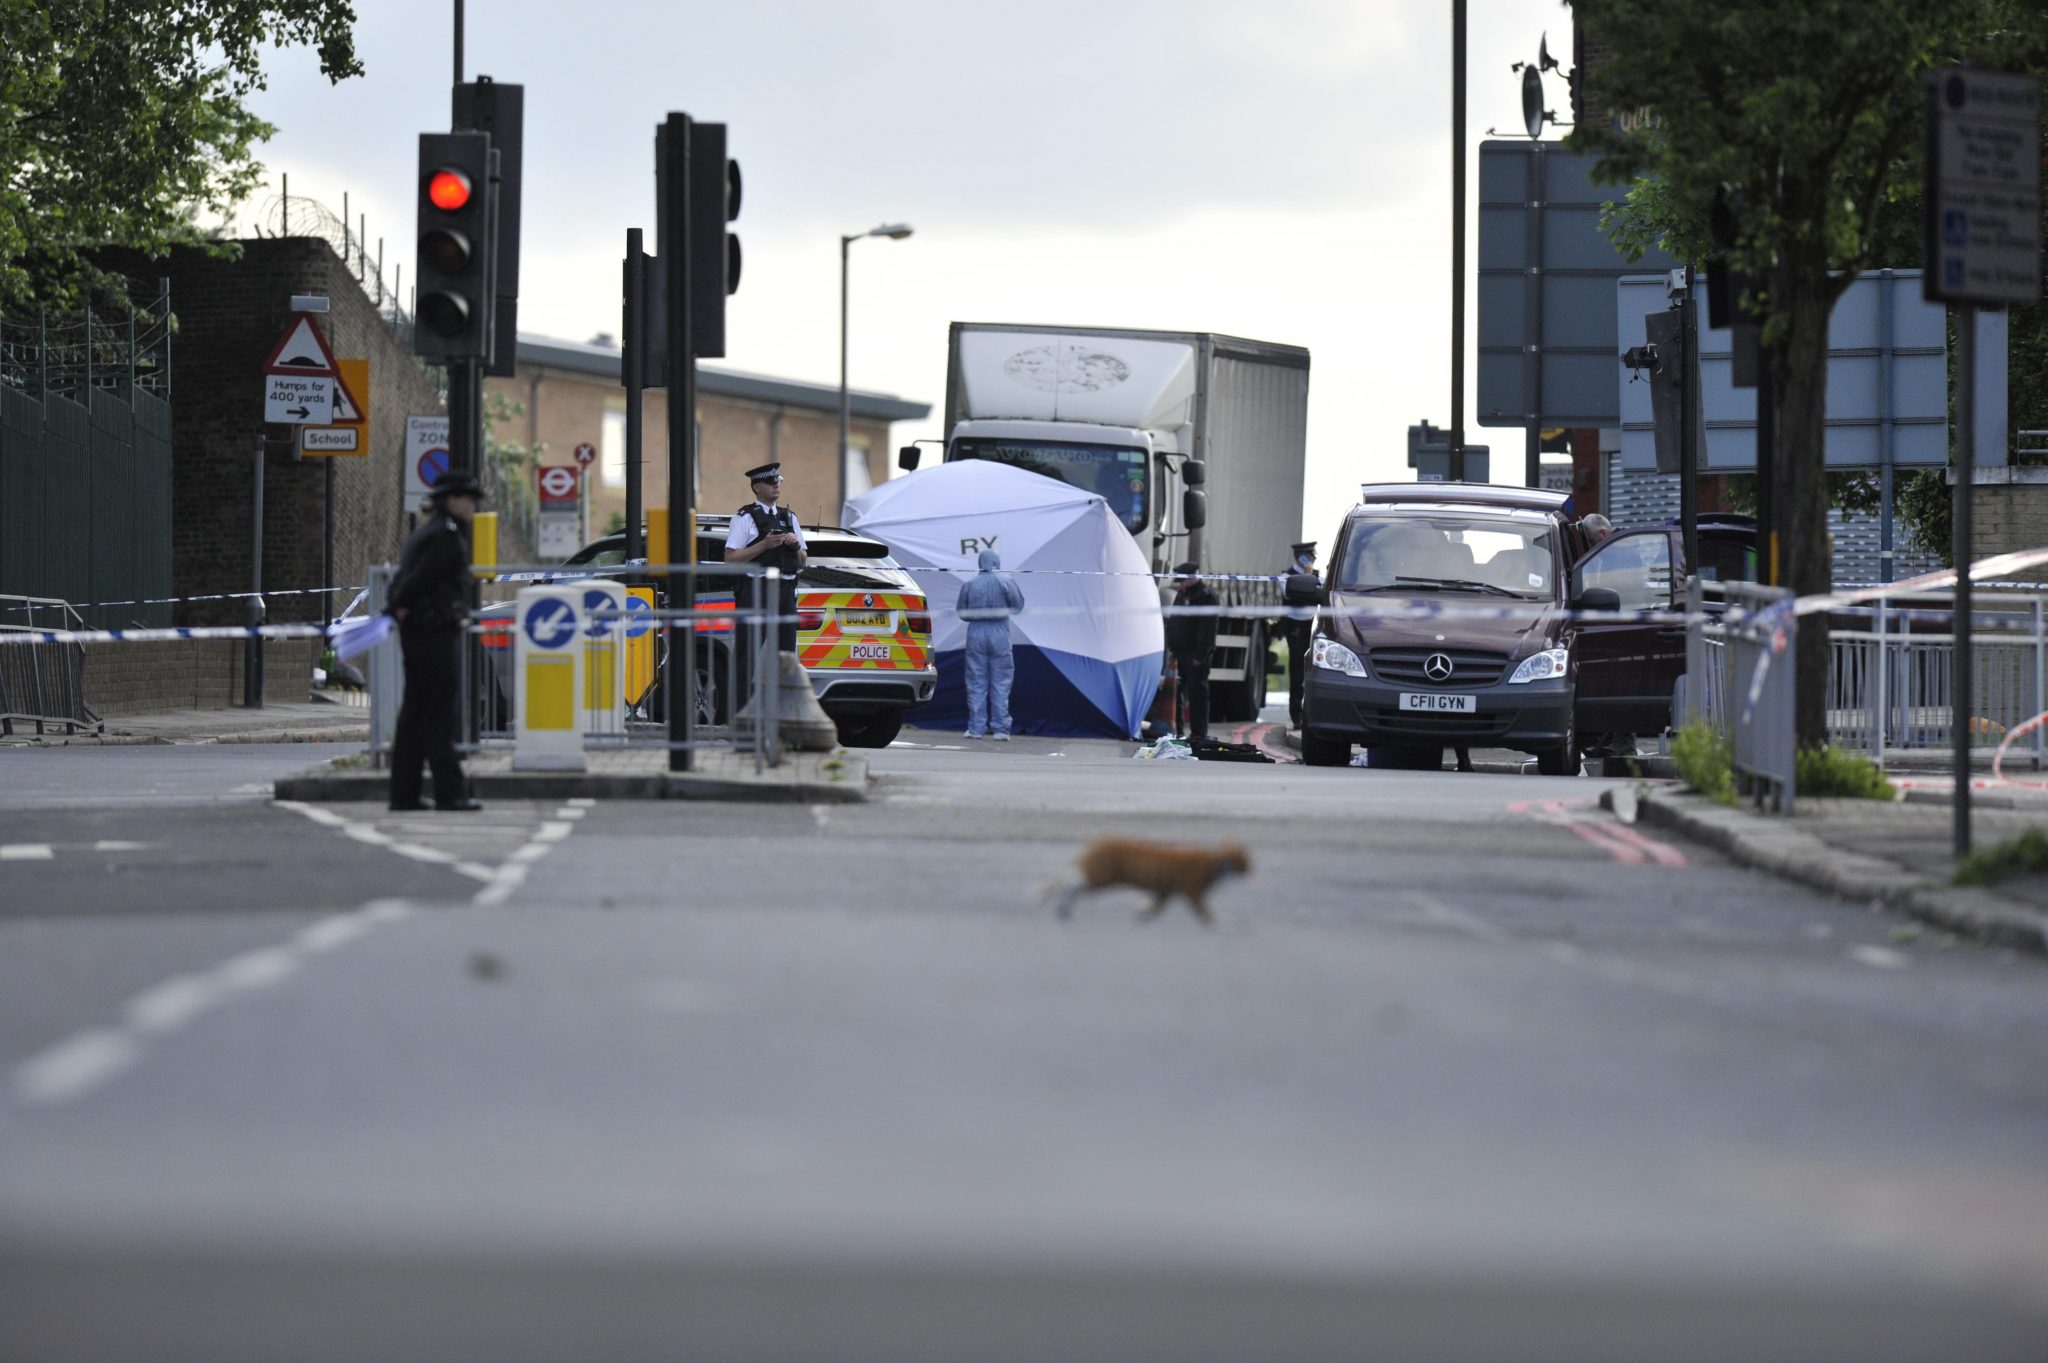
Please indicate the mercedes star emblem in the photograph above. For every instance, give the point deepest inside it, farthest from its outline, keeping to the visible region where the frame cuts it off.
(1437, 667)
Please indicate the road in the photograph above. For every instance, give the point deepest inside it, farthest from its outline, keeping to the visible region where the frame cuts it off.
(1467, 1070)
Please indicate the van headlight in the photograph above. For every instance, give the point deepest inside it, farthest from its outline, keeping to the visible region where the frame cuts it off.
(1551, 662)
(1327, 652)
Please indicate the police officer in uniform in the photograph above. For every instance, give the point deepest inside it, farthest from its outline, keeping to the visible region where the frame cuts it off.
(1191, 639)
(1298, 634)
(765, 532)
(430, 600)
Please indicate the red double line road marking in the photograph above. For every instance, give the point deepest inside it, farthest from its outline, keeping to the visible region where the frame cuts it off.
(1618, 840)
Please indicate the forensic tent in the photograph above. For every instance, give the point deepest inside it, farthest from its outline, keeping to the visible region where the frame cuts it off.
(1090, 642)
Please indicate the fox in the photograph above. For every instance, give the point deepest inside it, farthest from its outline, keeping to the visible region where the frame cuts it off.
(1164, 871)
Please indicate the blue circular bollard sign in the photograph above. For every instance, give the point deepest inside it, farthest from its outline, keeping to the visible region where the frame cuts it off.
(551, 623)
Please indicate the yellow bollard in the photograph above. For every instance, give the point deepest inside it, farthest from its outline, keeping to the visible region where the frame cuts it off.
(657, 534)
(483, 542)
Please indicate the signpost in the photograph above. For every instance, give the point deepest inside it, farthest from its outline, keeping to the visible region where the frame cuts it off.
(300, 376)
(561, 511)
(426, 454)
(1982, 236)
(349, 435)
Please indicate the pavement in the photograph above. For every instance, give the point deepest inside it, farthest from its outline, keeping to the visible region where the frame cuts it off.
(337, 717)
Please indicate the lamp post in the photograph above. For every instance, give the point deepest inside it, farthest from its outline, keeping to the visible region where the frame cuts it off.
(895, 231)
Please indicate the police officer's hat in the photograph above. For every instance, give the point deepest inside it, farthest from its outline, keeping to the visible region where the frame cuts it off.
(456, 483)
(1308, 548)
(766, 473)
(1188, 569)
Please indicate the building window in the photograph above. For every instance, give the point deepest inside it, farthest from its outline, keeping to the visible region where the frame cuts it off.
(611, 451)
(857, 479)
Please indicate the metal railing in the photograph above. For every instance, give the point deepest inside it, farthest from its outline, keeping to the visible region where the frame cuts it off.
(1891, 684)
(1740, 643)
(42, 683)
(735, 651)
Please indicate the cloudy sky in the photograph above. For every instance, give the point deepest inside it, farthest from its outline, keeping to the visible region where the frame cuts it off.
(1279, 171)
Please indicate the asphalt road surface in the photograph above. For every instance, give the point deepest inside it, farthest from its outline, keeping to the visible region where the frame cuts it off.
(1467, 1070)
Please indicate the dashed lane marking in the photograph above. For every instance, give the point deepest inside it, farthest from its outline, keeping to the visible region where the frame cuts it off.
(26, 851)
(87, 1061)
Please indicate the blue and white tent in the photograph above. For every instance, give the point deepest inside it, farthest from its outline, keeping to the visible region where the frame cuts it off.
(1090, 642)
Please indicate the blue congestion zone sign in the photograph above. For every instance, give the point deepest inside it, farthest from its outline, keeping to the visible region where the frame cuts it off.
(551, 623)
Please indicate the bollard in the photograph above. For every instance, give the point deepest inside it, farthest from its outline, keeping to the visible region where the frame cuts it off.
(604, 679)
(547, 730)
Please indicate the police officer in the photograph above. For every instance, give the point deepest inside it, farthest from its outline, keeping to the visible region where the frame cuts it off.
(765, 532)
(1191, 639)
(1298, 634)
(430, 600)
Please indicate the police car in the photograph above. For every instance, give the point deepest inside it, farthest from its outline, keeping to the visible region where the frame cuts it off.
(864, 630)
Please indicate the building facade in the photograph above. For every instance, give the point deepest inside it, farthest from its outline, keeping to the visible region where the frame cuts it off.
(570, 394)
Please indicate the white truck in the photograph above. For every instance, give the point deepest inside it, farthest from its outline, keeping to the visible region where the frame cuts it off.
(1195, 440)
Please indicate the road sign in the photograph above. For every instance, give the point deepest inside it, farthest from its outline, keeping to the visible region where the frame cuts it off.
(1983, 191)
(1546, 288)
(559, 483)
(426, 454)
(350, 432)
(298, 399)
(561, 533)
(1887, 381)
(586, 454)
(302, 350)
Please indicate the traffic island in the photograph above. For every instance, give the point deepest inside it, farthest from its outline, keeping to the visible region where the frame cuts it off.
(839, 777)
(1827, 846)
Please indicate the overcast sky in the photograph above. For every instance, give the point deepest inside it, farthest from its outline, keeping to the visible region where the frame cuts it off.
(1280, 171)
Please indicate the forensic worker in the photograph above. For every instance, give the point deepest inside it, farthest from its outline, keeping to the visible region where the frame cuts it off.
(987, 601)
(430, 600)
(1191, 639)
(765, 533)
(1298, 633)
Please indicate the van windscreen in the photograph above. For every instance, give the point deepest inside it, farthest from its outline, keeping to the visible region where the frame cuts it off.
(1451, 553)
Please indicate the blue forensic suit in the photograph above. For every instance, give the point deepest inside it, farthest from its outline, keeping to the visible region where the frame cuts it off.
(987, 601)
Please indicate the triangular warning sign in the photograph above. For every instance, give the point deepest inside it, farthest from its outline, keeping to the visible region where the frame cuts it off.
(302, 350)
(347, 410)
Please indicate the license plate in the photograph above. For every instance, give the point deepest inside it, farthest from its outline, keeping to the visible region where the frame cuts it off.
(864, 619)
(1441, 702)
(868, 653)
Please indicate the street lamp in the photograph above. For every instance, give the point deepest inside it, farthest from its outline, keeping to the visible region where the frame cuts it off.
(895, 231)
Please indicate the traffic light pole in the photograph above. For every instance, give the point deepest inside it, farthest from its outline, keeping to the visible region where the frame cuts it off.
(635, 376)
(681, 685)
(1688, 434)
(1457, 469)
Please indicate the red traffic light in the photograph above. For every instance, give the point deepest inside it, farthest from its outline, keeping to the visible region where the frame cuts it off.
(448, 189)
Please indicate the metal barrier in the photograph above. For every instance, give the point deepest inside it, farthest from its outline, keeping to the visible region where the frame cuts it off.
(1891, 684)
(43, 683)
(1741, 640)
(730, 638)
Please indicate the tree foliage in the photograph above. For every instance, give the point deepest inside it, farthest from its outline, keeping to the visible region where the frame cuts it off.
(125, 122)
(1803, 119)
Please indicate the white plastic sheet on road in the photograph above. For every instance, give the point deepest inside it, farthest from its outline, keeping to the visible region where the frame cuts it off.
(1089, 649)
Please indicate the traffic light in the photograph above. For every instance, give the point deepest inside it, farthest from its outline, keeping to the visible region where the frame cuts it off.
(498, 110)
(714, 252)
(453, 317)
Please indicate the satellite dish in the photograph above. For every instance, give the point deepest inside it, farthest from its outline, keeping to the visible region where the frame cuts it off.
(1532, 101)
(1544, 61)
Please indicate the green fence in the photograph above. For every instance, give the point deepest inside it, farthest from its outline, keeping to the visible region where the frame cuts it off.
(85, 463)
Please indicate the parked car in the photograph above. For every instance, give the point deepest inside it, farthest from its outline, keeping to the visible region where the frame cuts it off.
(863, 629)
(1518, 672)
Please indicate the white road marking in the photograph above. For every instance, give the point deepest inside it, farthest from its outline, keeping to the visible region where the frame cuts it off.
(1880, 958)
(115, 845)
(26, 851)
(84, 1062)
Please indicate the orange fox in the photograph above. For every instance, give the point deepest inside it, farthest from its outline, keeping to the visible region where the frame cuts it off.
(1164, 871)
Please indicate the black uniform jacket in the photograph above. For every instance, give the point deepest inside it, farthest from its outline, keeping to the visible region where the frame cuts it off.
(1192, 636)
(433, 576)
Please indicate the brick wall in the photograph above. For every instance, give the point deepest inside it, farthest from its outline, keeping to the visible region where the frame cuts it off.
(191, 674)
(230, 313)
(2009, 512)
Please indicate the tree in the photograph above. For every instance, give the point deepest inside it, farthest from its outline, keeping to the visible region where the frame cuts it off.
(1806, 114)
(123, 123)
